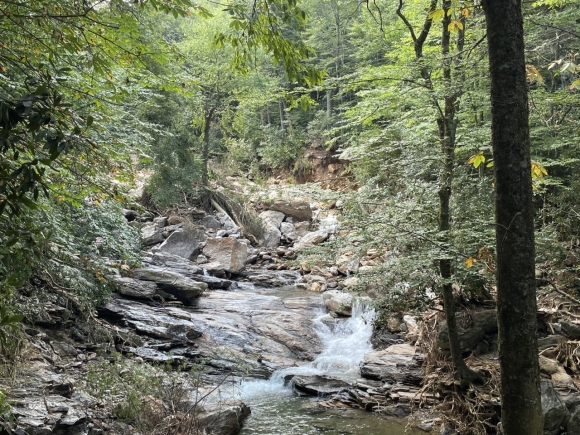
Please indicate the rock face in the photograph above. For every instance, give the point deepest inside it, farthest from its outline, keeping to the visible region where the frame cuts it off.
(186, 243)
(183, 288)
(338, 302)
(396, 364)
(297, 210)
(228, 253)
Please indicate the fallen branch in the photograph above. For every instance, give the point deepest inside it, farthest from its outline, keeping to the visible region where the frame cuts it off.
(563, 293)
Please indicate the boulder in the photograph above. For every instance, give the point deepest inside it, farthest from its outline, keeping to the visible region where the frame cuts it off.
(271, 237)
(395, 364)
(319, 386)
(210, 222)
(298, 210)
(174, 220)
(288, 231)
(272, 218)
(227, 420)
(227, 252)
(312, 239)
(151, 234)
(135, 288)
(338, 302)
(185, 289)
(301, 228)
(555, 412)
(186, 243)
(571, 330)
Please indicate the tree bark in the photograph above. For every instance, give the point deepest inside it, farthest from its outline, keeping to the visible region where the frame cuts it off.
(205, 150)
(282, 110)
(516, 305)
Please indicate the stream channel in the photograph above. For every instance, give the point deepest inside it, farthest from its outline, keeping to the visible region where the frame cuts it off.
(278, 410)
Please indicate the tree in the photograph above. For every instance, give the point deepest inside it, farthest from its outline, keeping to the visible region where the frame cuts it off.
(516, 286)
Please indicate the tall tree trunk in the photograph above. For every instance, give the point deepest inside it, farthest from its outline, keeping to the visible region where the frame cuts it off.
(282, 109)
(516, 287)
(447, 127)
(205, 150)
(329, 103)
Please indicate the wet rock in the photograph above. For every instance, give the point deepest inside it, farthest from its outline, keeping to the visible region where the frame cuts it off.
(228, 252)
(395, 364)
(318, 385)
(135, 288)
(555, 412)
(298, 210)
(312, 239)
(151, 234)
(338, 302)
(227, 420)
(186, 243)
(185, 289)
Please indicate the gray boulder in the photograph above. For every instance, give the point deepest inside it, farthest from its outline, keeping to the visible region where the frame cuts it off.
(151, 234)
(555, 412)
(210, 222)
(186, 243)
(483, 323)
(230, 254)
(338, 302)
(183, 288)
(395, 364)
(227, 420)
(135, 288)
(312, 239)
(319, 386)
(298, 210)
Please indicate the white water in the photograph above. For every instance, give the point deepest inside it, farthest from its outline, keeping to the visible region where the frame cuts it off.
(345, 344)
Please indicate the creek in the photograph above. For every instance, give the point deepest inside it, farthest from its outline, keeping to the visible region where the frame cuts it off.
(278, 410)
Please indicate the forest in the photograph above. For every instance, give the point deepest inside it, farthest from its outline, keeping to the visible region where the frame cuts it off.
(429, 145)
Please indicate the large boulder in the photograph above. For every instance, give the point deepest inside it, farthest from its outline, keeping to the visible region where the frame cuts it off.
(338, 302)
(555, 412)
(397, 364)
(312, 239)
(135, 288)
(227, 252)
(226, 420)
(296, 209)
(210, 222)
(151, 234)
(317, 385)
(272, 221)
(183, 288)
(186, 243)
(288, 231)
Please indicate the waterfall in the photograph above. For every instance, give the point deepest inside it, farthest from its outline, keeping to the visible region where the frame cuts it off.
(345, 342)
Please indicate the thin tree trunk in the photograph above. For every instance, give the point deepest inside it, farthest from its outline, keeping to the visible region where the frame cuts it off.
(516, 286)
(205, 150)
(329, 103)
(282, 108)
(447, 126)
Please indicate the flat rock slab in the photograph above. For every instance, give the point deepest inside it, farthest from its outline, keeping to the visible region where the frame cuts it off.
(318, 385)
(185, 289)
(296, 209)
(396, 364)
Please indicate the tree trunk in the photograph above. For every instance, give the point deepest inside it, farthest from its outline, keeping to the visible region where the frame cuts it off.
(329, 103)
(516, 289)
(205, 150)
(282, 108)
(447, 127)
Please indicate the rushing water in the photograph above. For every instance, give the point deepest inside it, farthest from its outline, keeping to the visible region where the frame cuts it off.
(277, 410)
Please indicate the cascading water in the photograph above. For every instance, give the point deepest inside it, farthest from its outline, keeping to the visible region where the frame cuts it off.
(277, 410)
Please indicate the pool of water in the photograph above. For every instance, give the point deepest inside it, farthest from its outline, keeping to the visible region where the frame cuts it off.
(286, 414)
